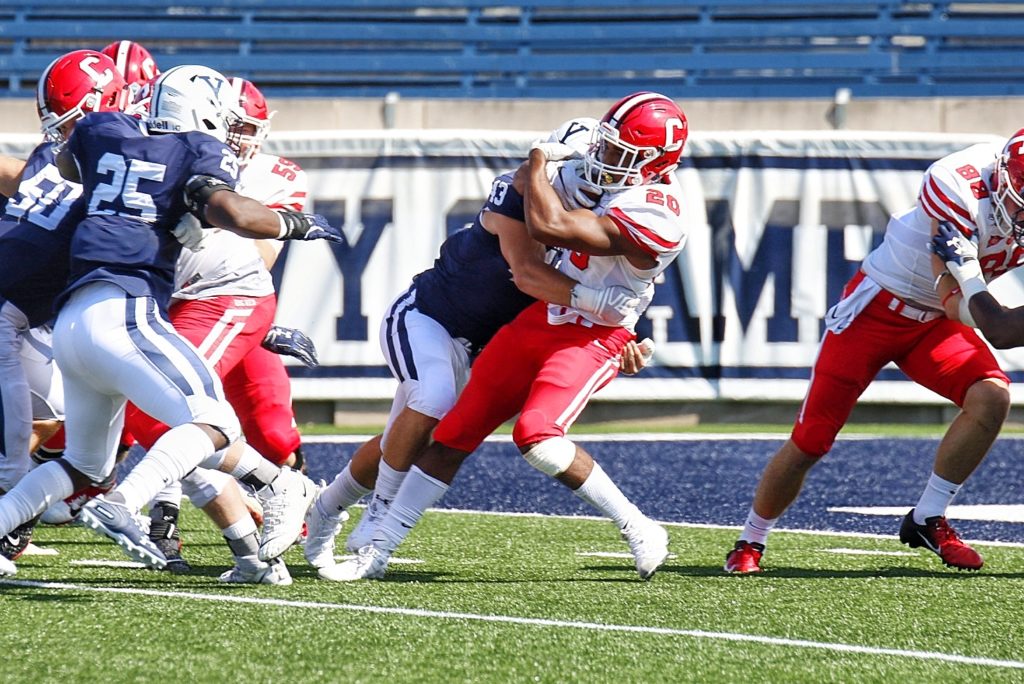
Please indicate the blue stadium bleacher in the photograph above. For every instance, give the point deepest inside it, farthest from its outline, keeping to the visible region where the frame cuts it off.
(545, 48)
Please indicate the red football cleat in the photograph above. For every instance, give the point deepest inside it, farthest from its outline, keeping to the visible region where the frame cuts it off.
(937, 536)
(745, 558)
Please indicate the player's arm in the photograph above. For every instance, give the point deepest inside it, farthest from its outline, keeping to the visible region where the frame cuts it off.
(581, 230)
(525, 257)
(532, 275)
(10, 175)
(214, 201)
(1002, 327)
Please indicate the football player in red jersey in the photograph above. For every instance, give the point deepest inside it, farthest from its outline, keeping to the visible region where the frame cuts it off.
(901, 308)
(624, 227)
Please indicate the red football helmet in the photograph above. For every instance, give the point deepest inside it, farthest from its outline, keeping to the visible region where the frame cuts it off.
(255, 119)
(639, 141)
(75, 84)
(1008, 197)
(133, 61)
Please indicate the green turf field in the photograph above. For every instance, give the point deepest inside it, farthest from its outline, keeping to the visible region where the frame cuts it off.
(495, 598)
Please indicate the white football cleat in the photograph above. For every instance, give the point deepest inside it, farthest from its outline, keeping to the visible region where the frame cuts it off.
(362, 533)
(285, 502)
(275, 572)
(321, 529)
(369, 563)
(7, 567)
(648, 542)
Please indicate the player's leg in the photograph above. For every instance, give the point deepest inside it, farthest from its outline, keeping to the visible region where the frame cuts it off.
(953, 362)
(496, 390)
(431, 368)
(572, 373)
(846, 364)
(219, 497)
(260, 390)
(15, 398)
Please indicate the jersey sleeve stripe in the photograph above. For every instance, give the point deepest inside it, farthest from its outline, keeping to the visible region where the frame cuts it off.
(937, 212)
(936, 190)
(624, 221)
(624, 228)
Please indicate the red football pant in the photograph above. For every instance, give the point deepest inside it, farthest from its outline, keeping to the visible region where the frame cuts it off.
(228, 331)
(547, 373)
(942, 355)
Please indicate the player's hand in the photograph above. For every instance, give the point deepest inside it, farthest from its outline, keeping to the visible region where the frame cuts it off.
(298, 226)
(555, 151)
(190, 233)
(636, 356)
(612, 304)
(959, 253)
(291, 342)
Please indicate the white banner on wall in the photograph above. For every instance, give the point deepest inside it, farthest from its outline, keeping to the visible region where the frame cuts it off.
(778, 222)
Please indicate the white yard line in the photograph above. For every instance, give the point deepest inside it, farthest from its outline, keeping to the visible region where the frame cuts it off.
(535, 622)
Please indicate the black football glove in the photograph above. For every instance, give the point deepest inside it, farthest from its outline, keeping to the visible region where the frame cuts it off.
(291, 342)
(299, 226)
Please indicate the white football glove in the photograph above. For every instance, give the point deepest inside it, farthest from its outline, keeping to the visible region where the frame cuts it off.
(556, 151)
(612, 304)
(190, 233)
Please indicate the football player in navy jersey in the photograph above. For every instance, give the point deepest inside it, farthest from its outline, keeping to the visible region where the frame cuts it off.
(484, 276)
(35, 232)
(111, 337)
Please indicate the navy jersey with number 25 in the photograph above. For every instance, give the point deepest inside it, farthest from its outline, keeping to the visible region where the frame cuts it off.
(133, 188)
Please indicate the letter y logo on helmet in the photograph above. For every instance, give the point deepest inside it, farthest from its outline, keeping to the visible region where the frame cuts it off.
(193, 98)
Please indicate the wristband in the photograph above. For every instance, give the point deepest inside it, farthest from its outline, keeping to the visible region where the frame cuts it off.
(283, 227)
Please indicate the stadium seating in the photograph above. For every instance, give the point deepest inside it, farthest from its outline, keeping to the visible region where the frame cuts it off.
(545, 48)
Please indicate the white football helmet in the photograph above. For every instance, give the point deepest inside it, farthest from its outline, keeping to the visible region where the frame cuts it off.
(577, 133)
(194, 98)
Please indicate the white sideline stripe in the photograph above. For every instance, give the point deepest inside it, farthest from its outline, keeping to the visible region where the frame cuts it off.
(868, 552)
(993, 512)
(650, 437)
(392, 560)
(536, 622)
(33, 550)
(613, 554)
(108, 563)
(712, 526)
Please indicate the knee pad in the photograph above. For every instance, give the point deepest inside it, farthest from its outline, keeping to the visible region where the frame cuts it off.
(432, 397)
(202, 486)
(552, 456)
(534, 426)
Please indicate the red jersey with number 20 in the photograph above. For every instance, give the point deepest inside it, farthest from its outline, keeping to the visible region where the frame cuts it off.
(648, 215)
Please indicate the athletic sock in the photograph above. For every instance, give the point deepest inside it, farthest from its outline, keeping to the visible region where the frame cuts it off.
(418, 492)
(176, 453)
(599, 491)
(388, 482)
(937, 496)
(756, 528)
(33, 494)
(242, 539)
(341, 493)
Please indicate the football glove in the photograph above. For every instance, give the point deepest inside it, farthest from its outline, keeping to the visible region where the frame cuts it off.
(190, 233)
(960, 255)
(612, 304)
(556, 151)
(298, 226)
(291, 342)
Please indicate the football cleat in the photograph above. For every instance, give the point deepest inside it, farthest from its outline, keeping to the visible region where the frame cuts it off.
(115, 521)
(274, 572)
(648, 542)
(285, 502)
(322, 529)
(362, 533)
(369, 563)
(7, 567)
(940, 538)
(745, 558)
(163, 532)
(15, 543)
